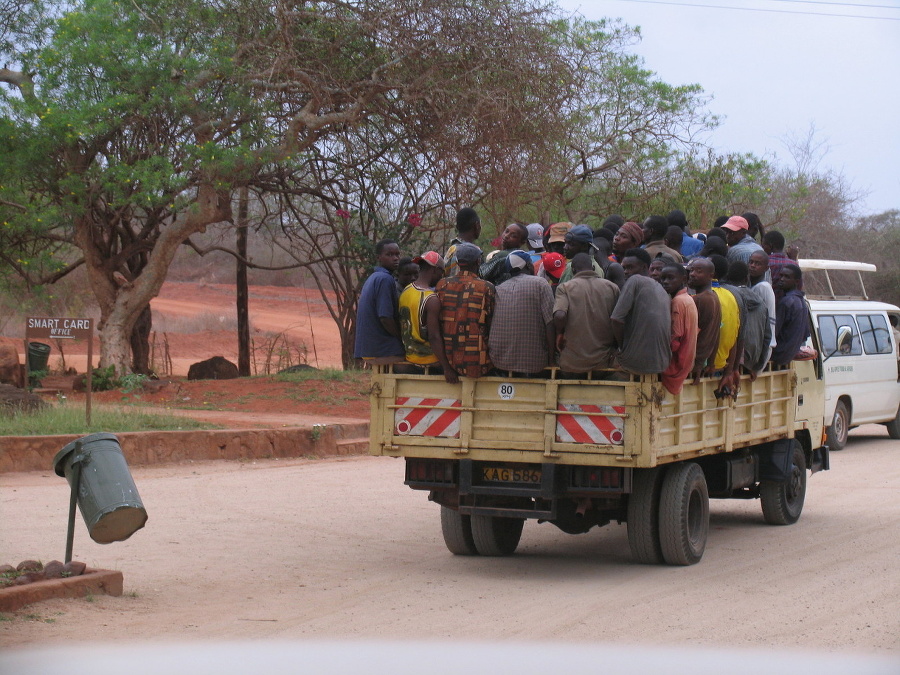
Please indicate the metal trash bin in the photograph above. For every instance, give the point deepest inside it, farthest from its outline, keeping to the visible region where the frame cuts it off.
(107, 497)
(38, 355)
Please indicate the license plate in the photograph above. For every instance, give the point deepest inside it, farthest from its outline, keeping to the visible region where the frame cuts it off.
(501, 474)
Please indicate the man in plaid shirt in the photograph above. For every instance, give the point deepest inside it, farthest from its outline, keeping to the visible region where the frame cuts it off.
(467, 306)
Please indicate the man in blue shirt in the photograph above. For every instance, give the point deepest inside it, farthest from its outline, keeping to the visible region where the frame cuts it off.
(377, 325)
(791, 317)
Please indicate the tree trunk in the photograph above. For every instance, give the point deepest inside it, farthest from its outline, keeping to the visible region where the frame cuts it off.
(243, 292)
(140, 342)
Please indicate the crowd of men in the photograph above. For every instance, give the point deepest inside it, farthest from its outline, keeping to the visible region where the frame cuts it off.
(626, 298)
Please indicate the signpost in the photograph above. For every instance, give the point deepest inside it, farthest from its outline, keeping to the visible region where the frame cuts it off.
(65, 329)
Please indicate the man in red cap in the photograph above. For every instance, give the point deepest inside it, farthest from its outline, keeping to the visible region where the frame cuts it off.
(552, 267)
(740, 244)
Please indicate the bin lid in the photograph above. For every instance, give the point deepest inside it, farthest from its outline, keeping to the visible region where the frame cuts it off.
(59, 461)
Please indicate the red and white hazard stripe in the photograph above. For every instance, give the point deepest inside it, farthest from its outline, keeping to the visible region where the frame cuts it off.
(591, 428)
(426, 419)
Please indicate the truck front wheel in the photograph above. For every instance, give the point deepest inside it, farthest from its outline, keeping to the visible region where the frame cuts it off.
(457, 531)
(782, 501)
(683, 514)
(496, 536)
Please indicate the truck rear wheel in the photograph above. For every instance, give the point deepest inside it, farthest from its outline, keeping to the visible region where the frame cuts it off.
(840, 427)
(496, 536)
(782, 501)
(457, 531)
(683, 514)
(643, 516)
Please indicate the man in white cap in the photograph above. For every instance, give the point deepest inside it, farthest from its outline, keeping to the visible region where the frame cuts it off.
(522, 335)
(740, 244)
(420, 320)
(536, 238)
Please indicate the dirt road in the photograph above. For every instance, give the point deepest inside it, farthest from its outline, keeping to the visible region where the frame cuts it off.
(341, 549)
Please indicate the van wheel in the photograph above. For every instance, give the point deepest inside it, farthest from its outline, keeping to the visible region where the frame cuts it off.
(683, 514)
(495, 536)
(840, 427)
(893, 426)
(457, 531)
(643, 516)
(782, 501)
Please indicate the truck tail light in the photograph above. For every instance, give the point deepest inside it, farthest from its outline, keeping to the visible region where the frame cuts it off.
(431, 471)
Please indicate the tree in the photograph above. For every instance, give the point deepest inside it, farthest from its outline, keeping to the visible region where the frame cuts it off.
(128, 127)
(623, 127)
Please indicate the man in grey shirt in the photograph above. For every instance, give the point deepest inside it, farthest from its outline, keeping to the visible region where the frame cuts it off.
(642, 319)
(581, 314)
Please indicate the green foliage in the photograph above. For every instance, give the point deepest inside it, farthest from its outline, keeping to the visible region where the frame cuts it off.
(70, 419)
(104, 379)
(132, 382)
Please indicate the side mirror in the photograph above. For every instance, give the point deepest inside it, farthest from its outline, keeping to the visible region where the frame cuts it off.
(844, 339)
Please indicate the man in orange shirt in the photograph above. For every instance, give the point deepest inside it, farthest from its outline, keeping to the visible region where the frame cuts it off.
(685, 327)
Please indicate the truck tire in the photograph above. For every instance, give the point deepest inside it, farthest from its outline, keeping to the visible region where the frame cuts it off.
(893, 426)
(457, 531)
(840, 427)
(683, 514)
(643, 516)
(782, 501)
(496, 536)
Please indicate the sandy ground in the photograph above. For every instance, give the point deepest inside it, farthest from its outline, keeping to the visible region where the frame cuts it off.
(198, 320)
(336, 549)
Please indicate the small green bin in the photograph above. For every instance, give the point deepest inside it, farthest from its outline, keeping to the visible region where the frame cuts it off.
(107, 497)
(38, 355)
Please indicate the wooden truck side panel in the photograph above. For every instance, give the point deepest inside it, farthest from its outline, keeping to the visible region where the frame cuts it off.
(633, 424)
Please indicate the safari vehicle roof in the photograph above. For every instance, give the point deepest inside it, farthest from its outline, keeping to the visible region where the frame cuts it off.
(821, 277)
(852, 306)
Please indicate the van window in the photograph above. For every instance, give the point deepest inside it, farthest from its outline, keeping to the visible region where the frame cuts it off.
(828, 330)
(875, 333)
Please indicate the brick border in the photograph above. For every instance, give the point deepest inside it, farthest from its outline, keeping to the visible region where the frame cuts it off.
(36, 453)
(109, 582)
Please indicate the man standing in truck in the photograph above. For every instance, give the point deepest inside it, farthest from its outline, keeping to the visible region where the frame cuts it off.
(791, 317)
(642, 320)
(685, 327)
(420, 323)
(581, 315)
(709, 313)
(467, 306)
(377, 325)
(522, 338)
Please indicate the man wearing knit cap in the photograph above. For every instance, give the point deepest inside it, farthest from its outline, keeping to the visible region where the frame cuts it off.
(467, 306)
(522, 335)
(580, 239)
(740, 243)
(629, 236)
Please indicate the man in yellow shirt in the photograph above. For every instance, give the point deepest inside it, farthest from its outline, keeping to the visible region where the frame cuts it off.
(420, 308)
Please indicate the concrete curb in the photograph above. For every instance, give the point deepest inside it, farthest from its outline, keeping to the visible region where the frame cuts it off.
(109, 582)
(36, 453)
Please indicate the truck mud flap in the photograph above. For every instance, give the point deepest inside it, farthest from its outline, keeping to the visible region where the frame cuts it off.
(820, 460)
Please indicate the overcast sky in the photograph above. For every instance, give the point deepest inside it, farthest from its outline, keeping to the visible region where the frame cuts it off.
(773, 73)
